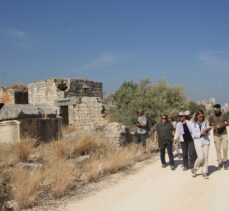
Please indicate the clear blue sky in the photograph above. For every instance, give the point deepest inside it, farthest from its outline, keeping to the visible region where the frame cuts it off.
(184, 42)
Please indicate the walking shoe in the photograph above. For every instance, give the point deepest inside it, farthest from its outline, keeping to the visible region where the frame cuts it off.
(225, 165)
(219, 166)
(205, 176)
(172, 167)
(185, 168)
(193, 172)
(163, 165)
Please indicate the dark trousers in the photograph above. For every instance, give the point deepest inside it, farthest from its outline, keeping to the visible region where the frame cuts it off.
(189, 154)
(169, 148)
(141, 139)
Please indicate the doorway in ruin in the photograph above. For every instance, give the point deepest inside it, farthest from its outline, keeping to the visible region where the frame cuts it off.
(64, 115)
(1, 105)
(21, 97)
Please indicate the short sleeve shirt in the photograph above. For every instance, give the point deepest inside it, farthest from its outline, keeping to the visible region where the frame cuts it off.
(142, 120)
(216, 120)
(165, 133)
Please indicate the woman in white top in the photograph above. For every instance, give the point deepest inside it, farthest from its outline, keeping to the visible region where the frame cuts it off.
(200, 133)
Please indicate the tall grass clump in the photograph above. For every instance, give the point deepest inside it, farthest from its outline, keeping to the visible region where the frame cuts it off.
(110, 162)
(89, 144)
(26, 186)
(23, 149)
(61, 149)
(60, 175)
(7, 155)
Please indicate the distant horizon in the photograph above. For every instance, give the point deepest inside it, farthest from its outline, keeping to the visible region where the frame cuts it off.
(182, 42)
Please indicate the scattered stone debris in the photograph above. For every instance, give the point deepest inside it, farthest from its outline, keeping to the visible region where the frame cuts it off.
(10, 206)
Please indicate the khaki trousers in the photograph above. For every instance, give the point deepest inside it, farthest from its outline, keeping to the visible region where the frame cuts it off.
(221, 141)
(202, 157)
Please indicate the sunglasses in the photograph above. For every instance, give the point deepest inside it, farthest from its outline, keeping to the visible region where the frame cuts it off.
(163, 118)
(201, 116)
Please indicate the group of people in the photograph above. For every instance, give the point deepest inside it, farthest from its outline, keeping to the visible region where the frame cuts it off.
(191, 134)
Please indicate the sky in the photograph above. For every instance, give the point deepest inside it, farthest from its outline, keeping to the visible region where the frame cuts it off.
(184, 42)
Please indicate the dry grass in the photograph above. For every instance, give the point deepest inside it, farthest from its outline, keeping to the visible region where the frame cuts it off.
(24, 149)
(111, 162)
(60, 176)
(56, 149)
(7, 155)
(4, 151)
(88, 144)
(60, 148)
(69, 129)
(27, 185)
(61, 166)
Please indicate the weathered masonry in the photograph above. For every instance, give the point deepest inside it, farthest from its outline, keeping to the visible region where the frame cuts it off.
(50, 90)
(39, 122)
(13, 96)
(78, 101)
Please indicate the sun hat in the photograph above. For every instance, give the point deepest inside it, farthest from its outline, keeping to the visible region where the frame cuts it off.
(187, 113)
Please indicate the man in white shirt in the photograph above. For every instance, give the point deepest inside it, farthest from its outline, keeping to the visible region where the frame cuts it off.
(142, 127)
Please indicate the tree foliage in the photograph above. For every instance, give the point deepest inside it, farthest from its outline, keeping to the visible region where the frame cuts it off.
(194, 107)
(155, 99)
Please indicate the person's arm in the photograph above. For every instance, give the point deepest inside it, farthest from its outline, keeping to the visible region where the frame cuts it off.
(155, 137)
(211, 122)
(142, 125)
(226, 122)
(195, 130)
(173, 132)
(176, 134)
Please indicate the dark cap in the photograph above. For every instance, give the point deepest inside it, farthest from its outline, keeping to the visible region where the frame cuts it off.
(217, 106)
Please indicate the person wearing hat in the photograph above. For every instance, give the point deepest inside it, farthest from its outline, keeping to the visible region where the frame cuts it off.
(183, 134)
(142, 127)
(177, 145)
(219, 121)
(188, 115)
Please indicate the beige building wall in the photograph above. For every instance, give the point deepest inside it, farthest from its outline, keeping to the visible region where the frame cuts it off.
(87, 114)
(44, 92)
(9, 132)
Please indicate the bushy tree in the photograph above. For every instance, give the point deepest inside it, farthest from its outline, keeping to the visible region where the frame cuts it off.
(155, 99)
(194, 107)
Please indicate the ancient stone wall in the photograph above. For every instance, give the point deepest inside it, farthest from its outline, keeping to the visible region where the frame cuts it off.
(43, 129)
(78, 101)
(84, 88)
(44, 92)
(87, 114)
(7, 96)
(49, 91)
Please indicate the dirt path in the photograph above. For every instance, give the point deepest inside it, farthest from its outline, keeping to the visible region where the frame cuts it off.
(154, 188)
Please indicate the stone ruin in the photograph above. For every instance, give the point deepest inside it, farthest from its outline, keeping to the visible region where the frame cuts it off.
(78, 102)
(16, 94)
(19, 121)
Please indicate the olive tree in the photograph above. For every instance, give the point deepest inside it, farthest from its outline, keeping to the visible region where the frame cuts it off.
(155, 99)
